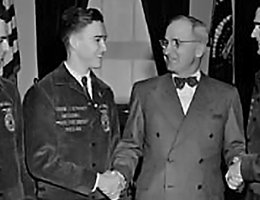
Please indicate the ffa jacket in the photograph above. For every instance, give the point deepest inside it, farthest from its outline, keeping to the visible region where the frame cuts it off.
(179, 156)
(253, 129)
(69, 137)
(250, 168)
(11, 151)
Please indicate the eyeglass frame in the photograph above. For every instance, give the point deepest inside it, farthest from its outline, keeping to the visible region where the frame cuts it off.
(177, 42)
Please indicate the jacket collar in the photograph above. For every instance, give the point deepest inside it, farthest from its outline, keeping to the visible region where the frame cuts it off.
(63, 77)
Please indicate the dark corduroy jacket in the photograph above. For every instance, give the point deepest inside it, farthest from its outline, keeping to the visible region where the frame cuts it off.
(69, 137)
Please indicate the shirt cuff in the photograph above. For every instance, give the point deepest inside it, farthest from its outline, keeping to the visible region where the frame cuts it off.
(96, 183)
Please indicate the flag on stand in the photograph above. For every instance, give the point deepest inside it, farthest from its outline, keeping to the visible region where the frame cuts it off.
(221, 60)
(12, 57)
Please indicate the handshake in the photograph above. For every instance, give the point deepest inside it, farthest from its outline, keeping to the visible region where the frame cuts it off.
(111, 183)
(233, 176)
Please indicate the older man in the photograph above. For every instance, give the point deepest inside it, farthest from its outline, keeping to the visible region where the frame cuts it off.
(181, 124)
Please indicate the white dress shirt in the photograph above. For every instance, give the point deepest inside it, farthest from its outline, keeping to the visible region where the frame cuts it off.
(187, 92)
(78, 77)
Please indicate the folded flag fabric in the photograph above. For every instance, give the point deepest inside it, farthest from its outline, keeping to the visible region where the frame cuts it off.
(11, 60)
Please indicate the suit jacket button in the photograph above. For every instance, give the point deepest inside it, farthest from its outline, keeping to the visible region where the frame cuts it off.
(201, 160)
(92, 144)
(199, 187)
(170, 186)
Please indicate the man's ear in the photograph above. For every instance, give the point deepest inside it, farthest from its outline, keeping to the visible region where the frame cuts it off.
(200, 50)
(73, 41)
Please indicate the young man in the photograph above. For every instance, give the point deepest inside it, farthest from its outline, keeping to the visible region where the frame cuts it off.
(180, 124)
(71, 122)
(11, 148)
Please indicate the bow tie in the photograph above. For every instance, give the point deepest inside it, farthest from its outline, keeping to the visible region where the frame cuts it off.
(180, 82)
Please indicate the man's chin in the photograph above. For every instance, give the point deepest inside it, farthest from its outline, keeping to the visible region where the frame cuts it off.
(258, 52)
(96, 65)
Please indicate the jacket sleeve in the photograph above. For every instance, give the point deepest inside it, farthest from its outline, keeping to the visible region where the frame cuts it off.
(44, 161)
(234, 140)
(115, 128)
(250, 168)
(129, 149)
(28, 184)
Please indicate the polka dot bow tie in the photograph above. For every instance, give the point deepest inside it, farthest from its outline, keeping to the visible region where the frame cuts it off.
(180, 82)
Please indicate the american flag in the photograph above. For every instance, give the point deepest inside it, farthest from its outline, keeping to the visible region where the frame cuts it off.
(12, 57)
(221, 41)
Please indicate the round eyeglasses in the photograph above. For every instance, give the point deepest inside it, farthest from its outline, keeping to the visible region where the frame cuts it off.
(175, 42)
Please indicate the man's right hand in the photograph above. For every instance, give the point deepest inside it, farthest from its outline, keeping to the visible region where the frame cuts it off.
(111, 183)
(233, 176)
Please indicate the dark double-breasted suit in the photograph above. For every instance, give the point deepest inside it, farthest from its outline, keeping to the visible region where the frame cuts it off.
(11, 147)
(180, 155)
(69, 137)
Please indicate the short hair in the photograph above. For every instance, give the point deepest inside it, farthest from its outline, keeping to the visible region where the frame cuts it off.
(76, 18)
(199, 28)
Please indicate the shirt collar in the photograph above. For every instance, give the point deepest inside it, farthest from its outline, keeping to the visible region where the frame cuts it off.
(75, 74)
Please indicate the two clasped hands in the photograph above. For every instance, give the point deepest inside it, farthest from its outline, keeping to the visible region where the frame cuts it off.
(111, 183)
(233, 176)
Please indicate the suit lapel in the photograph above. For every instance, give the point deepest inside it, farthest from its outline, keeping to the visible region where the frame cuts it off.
(199, 106)
(168, 101)
(201, 99)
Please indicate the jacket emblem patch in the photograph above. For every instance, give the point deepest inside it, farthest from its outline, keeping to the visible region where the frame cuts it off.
(9, 119)
(104, 118)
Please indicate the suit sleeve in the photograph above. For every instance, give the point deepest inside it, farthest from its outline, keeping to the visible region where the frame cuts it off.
(129, 149)
(250, 168)
(41, 138)
(234, 141)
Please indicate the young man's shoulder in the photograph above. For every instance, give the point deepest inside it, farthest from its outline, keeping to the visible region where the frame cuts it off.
(102, 83)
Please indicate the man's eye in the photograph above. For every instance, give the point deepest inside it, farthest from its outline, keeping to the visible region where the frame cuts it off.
(102, 38)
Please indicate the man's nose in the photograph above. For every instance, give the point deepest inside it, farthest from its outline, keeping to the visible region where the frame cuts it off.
(169, 49)
(103, 46)
(253, 34)
(5, 45)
